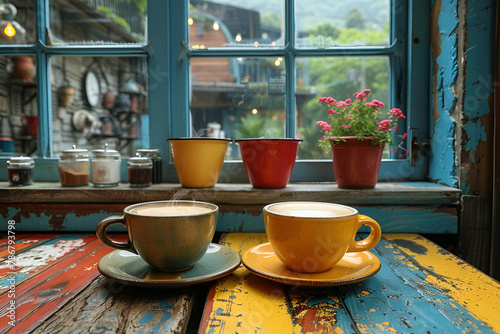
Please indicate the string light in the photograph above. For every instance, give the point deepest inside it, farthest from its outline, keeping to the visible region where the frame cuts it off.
(254, 111)
(216, 26)
(190, 21)
(9, 30)
(238, 38)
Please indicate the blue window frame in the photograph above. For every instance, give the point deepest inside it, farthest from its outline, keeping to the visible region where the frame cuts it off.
(169, 82)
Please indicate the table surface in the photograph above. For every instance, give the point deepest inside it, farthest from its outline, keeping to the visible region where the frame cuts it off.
(54, 286)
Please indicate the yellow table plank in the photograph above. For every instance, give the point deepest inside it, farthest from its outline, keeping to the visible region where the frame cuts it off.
(243, 301)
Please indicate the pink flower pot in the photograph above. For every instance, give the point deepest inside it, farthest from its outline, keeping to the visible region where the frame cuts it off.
(269, 162)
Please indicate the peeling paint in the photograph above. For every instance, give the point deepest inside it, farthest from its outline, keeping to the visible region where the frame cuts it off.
(444, 21)
(475, 132)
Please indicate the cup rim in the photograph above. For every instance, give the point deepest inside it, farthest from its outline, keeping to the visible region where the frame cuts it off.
(267, 210)
(214, 208)
(200, 138)
(269, 139)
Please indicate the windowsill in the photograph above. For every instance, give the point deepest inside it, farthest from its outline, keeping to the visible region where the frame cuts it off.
(385, 193)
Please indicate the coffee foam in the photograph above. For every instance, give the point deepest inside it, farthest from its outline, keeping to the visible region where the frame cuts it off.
(311, 209)
(170, 210)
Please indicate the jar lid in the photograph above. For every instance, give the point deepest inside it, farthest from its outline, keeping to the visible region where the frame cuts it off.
(106, 152)
(21, 162)
(139, 162)
(148, 151)
(76, 152)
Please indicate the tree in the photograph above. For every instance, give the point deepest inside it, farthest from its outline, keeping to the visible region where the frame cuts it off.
(355, 19)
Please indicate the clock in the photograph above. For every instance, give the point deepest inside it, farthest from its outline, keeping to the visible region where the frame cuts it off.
(91, 88)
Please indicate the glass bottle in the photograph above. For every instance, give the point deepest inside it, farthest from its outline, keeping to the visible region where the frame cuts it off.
(74, 167)
(106, 167)
(139, 172)
(154, 155)
(21, 171)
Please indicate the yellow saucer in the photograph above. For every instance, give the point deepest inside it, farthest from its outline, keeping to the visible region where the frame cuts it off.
(353, 267)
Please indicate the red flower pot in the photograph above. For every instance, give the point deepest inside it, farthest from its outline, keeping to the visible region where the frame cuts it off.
(356, 163)
(269, 162)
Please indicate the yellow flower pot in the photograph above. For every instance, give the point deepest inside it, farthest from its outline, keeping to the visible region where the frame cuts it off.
(198, 161)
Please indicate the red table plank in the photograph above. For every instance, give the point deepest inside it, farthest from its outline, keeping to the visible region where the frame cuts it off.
(43, 294)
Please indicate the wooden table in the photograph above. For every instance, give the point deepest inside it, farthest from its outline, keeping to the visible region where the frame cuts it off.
(55, 286)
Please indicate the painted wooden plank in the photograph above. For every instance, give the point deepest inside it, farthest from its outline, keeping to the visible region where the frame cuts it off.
(420, 288)
(25, 241)
(48, 295)
(247, 218)
(242, 302)
(39, 258)
(462, 286)
(107, 306)
(242, 194)
(392, 219)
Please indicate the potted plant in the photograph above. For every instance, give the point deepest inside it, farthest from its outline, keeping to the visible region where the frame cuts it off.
(357, 133)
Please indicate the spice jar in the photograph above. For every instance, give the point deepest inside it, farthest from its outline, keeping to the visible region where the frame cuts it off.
(20, 171)
(139, 172)
(154, 155)
(106, 167)
(74, 167)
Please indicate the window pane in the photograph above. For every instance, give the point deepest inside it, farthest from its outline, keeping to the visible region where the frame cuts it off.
(236, 23)
(97, 22)
(238, 98)
(340, 78)
(98, 101)
(328, 23)
(18, 106)
(17, 22)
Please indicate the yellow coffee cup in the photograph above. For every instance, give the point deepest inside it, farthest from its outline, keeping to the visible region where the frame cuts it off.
(312, 237)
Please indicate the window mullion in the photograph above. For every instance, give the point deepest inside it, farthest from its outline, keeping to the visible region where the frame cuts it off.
(290, 68)
(44, 95)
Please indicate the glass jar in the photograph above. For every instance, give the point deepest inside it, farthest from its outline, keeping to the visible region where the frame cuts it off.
(74, 167)
(139, 172)
(154, 155)
(21, 171)
(106, 167)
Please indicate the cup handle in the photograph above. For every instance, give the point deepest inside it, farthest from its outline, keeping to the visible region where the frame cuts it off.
(370, 241)
(105, 239)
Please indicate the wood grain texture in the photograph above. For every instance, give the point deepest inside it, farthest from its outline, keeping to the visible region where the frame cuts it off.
(412, 193)
(111, 307)
(420, 288)
(58, 289)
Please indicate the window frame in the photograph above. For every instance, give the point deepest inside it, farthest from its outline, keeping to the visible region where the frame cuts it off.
(168, 77)
(406, 56)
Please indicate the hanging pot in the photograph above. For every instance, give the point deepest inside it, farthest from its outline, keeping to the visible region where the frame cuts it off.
(66, 95)
(24, 68)
(108, 100)
(356, 163)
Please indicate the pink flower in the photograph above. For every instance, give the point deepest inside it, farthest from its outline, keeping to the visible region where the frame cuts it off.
(361, 96)
(345, 126)
(324, 126)
(384, 125)
(328, 100)
(396, 112)
(332, 111)
(404, 136)
(376, 104)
